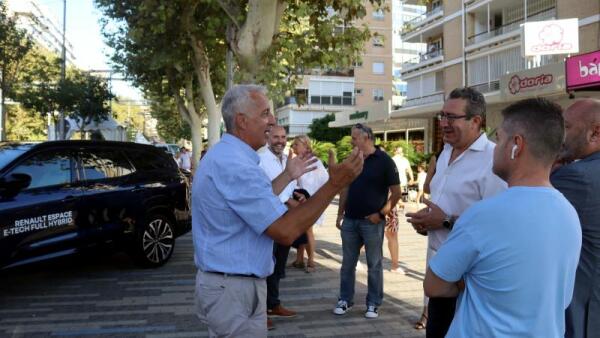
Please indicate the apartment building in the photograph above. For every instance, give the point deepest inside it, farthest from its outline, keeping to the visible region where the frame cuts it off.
(44, 28)
(354, 95)
(478, 43)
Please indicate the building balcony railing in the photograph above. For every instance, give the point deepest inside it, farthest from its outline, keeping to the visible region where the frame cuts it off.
(511, 26)
(417, 101)
(487, 86)
(333, 100)
(423, 59)
(420, 20)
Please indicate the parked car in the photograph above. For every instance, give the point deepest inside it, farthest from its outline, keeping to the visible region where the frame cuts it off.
(61, 197)
(170, 148)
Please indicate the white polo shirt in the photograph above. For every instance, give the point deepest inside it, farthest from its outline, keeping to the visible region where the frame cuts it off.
(468, 179)
(273, 168)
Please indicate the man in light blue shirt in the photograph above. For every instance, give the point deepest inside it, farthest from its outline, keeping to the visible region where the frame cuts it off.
(236, 215)
(515, 254)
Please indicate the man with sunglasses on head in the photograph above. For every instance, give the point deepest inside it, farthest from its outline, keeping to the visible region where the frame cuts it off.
(462, 177)
(361, 219)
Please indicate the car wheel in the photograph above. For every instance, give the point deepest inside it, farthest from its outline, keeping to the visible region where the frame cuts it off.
(155, 242)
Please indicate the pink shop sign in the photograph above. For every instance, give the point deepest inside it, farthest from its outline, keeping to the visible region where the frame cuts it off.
(583, 71)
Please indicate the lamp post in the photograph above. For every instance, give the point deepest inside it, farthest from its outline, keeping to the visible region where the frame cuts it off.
(63, 68)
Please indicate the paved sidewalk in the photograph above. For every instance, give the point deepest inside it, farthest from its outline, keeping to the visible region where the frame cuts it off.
(105, 295)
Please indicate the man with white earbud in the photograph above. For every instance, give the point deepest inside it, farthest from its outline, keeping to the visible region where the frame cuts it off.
(512, 258)
(462, 177)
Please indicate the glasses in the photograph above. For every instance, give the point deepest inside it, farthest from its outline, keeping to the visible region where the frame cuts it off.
(450, 118)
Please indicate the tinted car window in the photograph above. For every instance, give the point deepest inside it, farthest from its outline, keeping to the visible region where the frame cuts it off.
(146, 160)
(9, 152)
(46, 168)
(100, 164)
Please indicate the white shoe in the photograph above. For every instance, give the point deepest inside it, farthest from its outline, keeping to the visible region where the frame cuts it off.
(398, 270)
(371, 312)
(342, 307)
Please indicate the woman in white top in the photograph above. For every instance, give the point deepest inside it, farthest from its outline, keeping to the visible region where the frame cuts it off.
(311, 182)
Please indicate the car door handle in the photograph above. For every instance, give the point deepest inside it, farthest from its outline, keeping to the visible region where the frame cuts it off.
(70, 198)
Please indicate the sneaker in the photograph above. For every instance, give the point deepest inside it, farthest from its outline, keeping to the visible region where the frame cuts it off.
(342, 307)
(398, 270)
(281, 312)
(371, 312)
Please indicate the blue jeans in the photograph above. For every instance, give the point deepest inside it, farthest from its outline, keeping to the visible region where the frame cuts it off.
(355, 233)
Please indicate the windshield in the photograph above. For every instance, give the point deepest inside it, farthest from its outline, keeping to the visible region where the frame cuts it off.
(10, 151)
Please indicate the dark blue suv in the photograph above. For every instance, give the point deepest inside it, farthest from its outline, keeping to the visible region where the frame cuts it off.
(58, 198)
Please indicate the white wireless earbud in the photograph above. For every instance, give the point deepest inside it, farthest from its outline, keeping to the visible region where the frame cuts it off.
(513, 151)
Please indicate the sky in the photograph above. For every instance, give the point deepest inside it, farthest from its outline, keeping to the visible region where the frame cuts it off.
(84, 31)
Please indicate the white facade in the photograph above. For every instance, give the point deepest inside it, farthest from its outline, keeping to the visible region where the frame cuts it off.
(44, 28)
(403, 51)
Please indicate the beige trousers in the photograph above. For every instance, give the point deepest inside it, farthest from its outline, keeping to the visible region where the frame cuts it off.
(232, 306)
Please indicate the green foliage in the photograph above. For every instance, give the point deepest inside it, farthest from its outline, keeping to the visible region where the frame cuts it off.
(320, 130)
(343, 148)
(321, 150)
(23, 125)
(171, 126)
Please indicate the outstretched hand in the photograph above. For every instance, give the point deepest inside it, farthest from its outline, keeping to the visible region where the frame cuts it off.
(297, 166)
(342, 174)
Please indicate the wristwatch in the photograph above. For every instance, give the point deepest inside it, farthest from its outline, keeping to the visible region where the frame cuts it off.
(448, 222)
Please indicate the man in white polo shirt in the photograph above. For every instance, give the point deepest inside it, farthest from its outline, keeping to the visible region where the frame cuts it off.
(462, 177)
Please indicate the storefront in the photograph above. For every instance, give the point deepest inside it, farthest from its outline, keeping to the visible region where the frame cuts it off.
(582, 72)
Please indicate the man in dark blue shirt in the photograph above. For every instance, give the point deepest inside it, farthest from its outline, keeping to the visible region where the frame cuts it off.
(361, 219)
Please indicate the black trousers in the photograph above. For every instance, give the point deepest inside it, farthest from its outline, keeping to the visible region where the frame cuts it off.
(440, 313)
(280, 252)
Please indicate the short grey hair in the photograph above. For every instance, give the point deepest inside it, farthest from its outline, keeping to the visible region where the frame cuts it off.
(236, 100)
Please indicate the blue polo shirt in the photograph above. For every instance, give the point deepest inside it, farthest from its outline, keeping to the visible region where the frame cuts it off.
(232, 206)
(368, 193)
(518, 253)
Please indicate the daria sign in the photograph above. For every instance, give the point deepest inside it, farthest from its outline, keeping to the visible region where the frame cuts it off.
(38, 223)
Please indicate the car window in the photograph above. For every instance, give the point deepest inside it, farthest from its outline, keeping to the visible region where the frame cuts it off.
(101, 164)
(10, 151)
(46, 168)
(147, 160)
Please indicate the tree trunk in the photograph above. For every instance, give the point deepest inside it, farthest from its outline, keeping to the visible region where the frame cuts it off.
(256, 35)
(202, 70)
(192, 115)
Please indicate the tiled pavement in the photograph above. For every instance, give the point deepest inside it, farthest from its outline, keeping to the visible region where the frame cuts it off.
(106, 295)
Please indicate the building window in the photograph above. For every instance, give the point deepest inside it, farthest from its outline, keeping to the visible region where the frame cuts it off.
(377, 94)
(378, 67)
(378, 15)
(358, 91)
(358, 63)
(377, 41)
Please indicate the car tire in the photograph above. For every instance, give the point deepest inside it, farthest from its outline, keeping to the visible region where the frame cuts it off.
(155, 241)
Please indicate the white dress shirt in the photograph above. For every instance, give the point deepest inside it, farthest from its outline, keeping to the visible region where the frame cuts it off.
(273, 167)
(468, 179)
(313, 181)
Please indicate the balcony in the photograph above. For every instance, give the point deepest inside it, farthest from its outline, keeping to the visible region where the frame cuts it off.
(487, 87)
(423, 60)
(510, 27)
(422, 20)
(431, 98)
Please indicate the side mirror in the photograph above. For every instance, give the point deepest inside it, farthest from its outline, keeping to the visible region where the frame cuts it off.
(12, 184)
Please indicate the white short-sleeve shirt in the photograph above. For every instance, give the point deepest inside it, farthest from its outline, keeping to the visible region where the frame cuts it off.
(468, 179)
(273, 168)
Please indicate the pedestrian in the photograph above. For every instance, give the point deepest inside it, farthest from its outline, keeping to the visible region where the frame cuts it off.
(311, 182)
(361, 219)
(273, 162)
(512, 257)
(579, 181)
(421, 178)
(184, 159)
(236, 216)
(463, 176)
